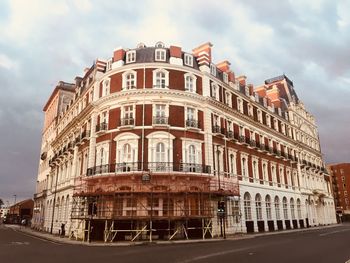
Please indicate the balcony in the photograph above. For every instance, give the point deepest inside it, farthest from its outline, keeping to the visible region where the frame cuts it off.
(192, 123)
(230, 135)
(128, 167)
(127, 122)
(160, 120)
(85, 135)
(216, 129)
(242, 139)
(101, 127)
(252, 143)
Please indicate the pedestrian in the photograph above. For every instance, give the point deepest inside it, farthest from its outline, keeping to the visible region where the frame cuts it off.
(63, 231)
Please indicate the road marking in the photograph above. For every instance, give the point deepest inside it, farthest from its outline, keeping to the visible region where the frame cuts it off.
(32, 236)
(334, 232)
(217, 254)
(19, 243)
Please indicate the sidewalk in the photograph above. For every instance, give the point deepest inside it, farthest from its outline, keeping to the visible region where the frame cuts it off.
(65, 240)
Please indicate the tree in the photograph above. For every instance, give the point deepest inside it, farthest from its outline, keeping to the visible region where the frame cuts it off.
(1, 203)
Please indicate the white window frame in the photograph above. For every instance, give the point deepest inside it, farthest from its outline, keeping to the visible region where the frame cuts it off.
(166, 78)
(213, 69)
(155, 111)
(153, 139)
(215, 87)
(130, 56)
(240, 105)
(228, 98)
(106, 86)
(123, 112)
(109, 64)
(186, 144)
(244, 167)
(225, 77)
(160, 54)
(188, 59)
(125, 80)
(105, 157)
(232, 162)
(121, 140)
(194, 82)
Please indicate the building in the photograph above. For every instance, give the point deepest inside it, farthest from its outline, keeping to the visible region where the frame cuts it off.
(4, 211)
(158, 143)
(340, 178)
(19, 211)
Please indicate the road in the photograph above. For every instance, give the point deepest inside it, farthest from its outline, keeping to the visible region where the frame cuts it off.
(329, 245)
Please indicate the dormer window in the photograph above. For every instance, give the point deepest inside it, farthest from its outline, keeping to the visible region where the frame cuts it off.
(109, 65)
(225, 77)
(188, 60)
(160, 55)
(105, 87)
(213, 69)
(160, 44)
(130, 56)
(190, 82)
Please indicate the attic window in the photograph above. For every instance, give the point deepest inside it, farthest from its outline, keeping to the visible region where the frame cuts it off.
(160, 55)
(188, 60)
(109, 65)
(225, 76)
(213, 69)
(131, 56)
(141, 45)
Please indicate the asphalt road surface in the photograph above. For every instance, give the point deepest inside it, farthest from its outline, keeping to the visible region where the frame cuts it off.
(329, 245)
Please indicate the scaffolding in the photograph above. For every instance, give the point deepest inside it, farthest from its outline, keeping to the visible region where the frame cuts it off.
(138, 206)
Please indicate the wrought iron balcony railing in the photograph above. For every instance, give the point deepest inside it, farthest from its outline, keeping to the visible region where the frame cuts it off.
(160, 120)
(127, 122)
(192, 123)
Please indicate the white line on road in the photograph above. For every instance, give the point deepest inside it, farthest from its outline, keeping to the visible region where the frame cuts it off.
(334, 232)
(217, 254)
(42, 239)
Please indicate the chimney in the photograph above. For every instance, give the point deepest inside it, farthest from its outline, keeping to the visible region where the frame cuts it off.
(224, 66)
(175, 52)
(242, 80)
(203, 54)
(118, 54)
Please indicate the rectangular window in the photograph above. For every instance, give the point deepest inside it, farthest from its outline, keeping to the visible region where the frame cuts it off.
(160, 55)
(188, 60)
(213, 69)
(128, 117)
(228, 98)
(131, 56)
(160, 116)
(225, 77)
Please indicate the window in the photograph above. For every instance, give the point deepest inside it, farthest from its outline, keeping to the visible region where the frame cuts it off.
(191, 117)
(274, 177)
(127, 148)
(160, 55)
(105, 87)
(285, 208)
(265, 175)
(129, 80)
(160, 78)
(277, 208)
(130, 56)
(240, 105)
(215, 91)
(188, 60)
(255, 171)
(247, 207)
(292, 208)
(258, 207)
(228, 99)
(213, 69)
(160, 151)
(160, 114)
(244, 168)
(299, 208)
(127, 115)
(190, 82)
(225, 77)
(268, 207)
(192, 155)
(232, 163)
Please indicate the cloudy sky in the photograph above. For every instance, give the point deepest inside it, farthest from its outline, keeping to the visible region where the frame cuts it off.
(44, 41)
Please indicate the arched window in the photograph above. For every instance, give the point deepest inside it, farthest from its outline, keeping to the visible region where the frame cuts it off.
(268, 207)
(232, 164)
(292, 208)
(247, 207)
(277, 208)
(160, 151)
(299, 208)
(285, 208)
(126, 156)
(258, 207)
(264, 170)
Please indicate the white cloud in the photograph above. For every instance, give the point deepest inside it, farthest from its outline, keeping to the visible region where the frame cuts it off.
(7, 62)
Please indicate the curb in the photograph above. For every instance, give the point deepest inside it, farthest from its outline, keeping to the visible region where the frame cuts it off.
(65, 240)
